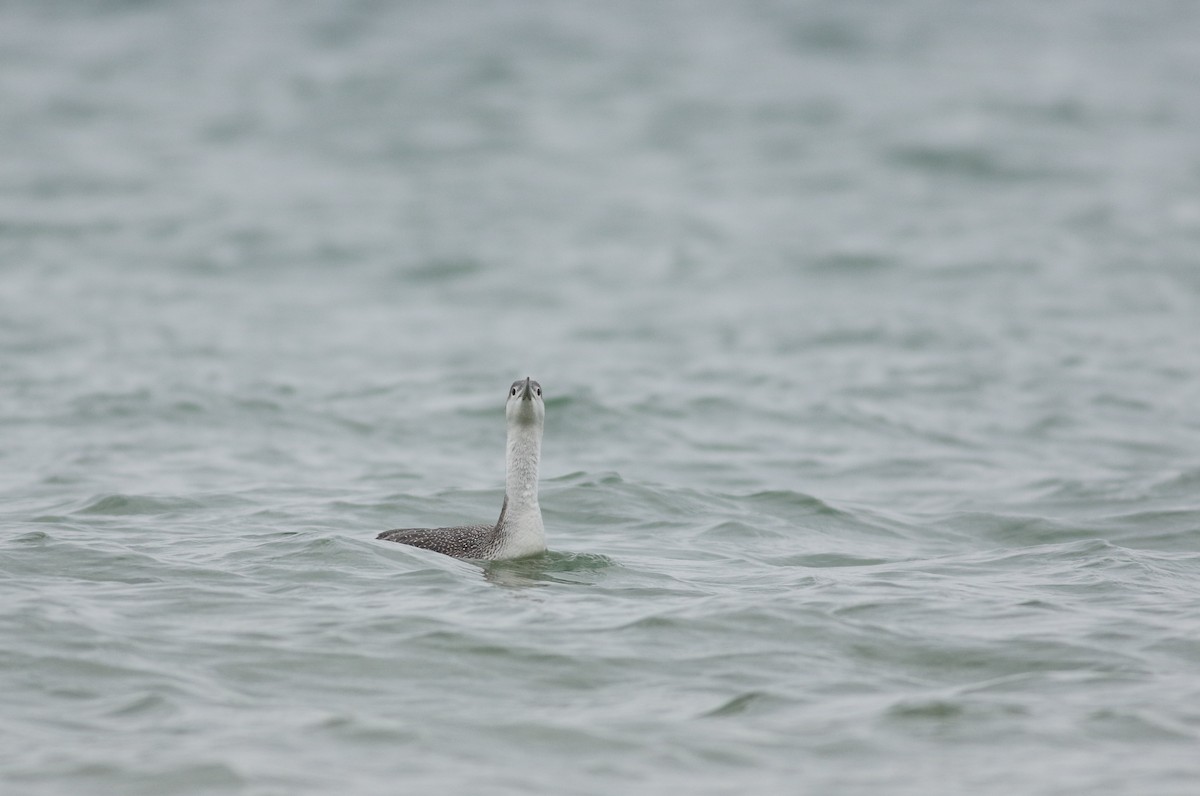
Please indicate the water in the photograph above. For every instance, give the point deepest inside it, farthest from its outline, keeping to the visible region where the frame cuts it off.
(869, 339)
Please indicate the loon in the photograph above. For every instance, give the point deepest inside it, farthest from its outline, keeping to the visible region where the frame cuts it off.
(519, 531)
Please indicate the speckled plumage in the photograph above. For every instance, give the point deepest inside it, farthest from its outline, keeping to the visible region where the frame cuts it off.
(463, 541)
(469, 541)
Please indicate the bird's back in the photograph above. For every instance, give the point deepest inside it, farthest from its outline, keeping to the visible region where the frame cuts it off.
(466, 541)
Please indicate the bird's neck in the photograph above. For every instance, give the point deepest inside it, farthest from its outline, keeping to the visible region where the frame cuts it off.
(520, 527)
(521, 469)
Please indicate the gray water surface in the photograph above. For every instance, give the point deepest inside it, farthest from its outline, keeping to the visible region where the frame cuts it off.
(869, 336)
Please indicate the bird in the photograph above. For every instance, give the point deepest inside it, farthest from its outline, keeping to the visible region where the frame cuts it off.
(519, 532)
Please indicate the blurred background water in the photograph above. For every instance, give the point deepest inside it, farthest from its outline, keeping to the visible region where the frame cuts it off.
(869, 338)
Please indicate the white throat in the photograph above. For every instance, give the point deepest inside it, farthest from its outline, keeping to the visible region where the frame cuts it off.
(523, 533)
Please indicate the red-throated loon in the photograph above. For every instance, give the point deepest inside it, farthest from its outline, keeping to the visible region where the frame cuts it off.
(519, 531)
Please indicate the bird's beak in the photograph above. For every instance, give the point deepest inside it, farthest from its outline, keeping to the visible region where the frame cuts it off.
(527, 390)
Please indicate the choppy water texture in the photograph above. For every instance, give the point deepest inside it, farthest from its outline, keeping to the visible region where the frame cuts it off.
(870, 340)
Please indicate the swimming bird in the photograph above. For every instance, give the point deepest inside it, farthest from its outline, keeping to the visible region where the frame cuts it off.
(519, 531)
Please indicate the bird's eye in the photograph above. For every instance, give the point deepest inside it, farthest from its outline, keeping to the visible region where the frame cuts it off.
(514, 391)
(539, 390)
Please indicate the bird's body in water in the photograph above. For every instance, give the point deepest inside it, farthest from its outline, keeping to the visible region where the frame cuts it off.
(519, 531)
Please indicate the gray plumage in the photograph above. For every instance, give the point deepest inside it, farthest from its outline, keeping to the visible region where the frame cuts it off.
(467, 541)
(463, 541)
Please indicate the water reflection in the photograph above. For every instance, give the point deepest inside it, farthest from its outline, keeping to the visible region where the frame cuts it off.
(549, 568)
